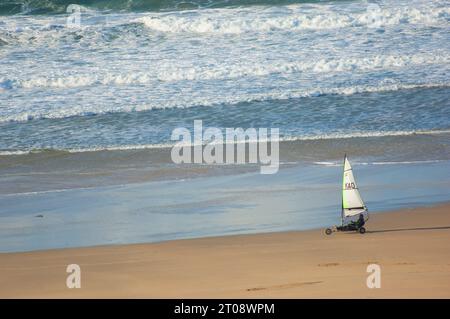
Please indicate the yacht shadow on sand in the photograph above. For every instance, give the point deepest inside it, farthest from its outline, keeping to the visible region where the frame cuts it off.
(407, 229)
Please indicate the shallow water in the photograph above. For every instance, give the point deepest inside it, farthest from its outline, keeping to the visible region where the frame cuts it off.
(297, 198)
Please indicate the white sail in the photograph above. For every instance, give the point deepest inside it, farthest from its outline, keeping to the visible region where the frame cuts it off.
(352, 203)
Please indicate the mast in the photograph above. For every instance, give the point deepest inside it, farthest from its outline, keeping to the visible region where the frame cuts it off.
(342, 191)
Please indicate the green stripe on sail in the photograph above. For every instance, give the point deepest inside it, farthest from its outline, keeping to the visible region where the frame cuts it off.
(344, 204)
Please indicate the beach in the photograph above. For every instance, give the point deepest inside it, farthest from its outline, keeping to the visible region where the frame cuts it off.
(96, 98)
(412, 247)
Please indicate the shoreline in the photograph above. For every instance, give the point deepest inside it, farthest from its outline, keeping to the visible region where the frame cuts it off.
(410, 245)
(296, 198)
(213, 237)
(25, 173)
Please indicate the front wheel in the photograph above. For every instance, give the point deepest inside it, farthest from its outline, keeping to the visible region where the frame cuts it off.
(328, 231)
(362, 230)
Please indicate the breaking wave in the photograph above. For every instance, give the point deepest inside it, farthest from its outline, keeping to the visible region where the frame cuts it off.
(294, 18)
(8, 7)
(170, 73)
(311, 137)
(214, 101)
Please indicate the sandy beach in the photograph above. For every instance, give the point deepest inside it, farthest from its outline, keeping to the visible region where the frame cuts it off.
(199, 149)
(411, 246)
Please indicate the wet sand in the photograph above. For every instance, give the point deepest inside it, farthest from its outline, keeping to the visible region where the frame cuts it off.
(411, 246)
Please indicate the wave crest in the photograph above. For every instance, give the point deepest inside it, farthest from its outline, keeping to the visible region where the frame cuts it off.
(214, 101)
(169, 73)
(60, 6)
(294, 18)
(316, 137)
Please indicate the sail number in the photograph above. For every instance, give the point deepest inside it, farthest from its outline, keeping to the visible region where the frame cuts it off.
(350, 185)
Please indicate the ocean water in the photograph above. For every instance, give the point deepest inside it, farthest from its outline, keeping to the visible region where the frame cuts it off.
(135, 70)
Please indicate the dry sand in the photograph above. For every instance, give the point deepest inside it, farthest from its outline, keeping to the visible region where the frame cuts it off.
(412, 247)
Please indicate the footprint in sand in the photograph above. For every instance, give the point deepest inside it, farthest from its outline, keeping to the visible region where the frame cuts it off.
(328, 265)
(286, 286)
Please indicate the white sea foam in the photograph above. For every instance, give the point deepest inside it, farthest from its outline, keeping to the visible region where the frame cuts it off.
(317, 137)
(215, 101)
(409, 162)
(331, 164)
(356, 163)
(169, 73)
(365, 134)
(292, 18)
(295, 18)
(15, 152)
(37, 193)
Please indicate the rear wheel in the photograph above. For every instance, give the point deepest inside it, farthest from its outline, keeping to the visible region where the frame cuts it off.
(362, 230)
(328, 231)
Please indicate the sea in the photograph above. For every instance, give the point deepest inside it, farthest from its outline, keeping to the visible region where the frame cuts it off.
(91, 90)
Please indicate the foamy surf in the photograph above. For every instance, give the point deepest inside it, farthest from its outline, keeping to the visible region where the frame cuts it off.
(295, 18)
(169, 73)
(356, 163)
(320, 137)
(217, 101)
